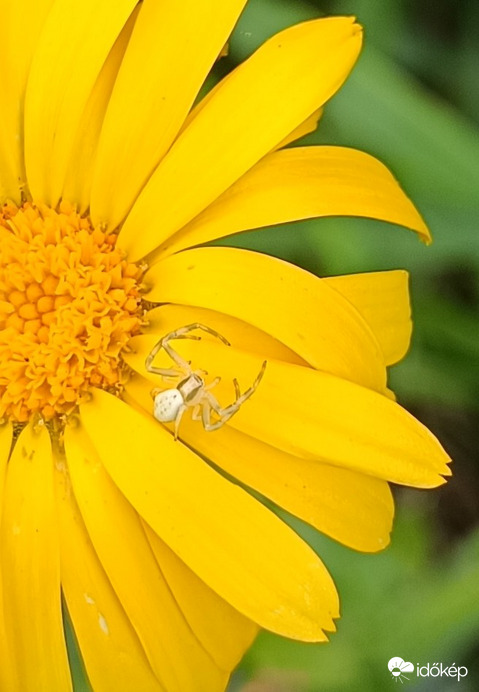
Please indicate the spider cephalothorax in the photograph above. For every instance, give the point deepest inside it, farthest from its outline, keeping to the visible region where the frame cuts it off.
(192, 391)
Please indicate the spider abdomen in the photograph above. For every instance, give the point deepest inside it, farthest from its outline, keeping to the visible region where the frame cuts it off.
(167, 405)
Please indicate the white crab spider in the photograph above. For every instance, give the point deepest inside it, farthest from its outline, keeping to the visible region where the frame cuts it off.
(191, 391)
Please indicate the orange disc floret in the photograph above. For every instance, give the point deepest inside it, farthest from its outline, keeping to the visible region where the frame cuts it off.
(69, 303)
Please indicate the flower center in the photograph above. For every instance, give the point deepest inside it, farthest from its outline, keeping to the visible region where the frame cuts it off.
(69, 303)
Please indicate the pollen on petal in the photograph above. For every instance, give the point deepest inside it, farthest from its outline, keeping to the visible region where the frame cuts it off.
(69, 303)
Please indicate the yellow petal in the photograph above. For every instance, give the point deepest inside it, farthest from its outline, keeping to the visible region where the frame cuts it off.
(233, 543)
(6, 434)
(6, 669)
(31, 567)
(290, 304)
(77, 186)
(242, 335)
(315, 415)
(174, 653)
(382, 298)
(302, 183)
(173, 47)
(352, 508)
(306, 127)
(113, 657)
(75, 43)
(22, 23)
(259, 104)
(223, 632)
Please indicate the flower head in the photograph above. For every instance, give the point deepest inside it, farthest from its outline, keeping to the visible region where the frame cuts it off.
(71, 302)
(112, 181)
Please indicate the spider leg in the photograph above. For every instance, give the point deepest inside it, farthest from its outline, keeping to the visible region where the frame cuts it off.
(246, 395)
(200, 372)
(224, 414)
(183, 333)
(176, 358)
(237, 389)
(165, 372)
(150, 357)
(212, 384)
(206, 405)
(196, 412)
(183, 365)
(178, 418)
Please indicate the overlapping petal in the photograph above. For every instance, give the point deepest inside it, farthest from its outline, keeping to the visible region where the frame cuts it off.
(74, 44)
(382, 298)
(30, 566)
(224, 633)
(6, 437)
(212, 525)
(151, 99)
(242, 334)
(78, 180)
(21, 29)
(352, 508)
(290, 304)
(315, 415)
(175, 655)
(301, 183)
(305, 65)
(112, 654)
(305, 128)
(6, 669)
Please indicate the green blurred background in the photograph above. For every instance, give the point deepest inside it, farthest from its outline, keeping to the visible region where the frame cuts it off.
(412, 101)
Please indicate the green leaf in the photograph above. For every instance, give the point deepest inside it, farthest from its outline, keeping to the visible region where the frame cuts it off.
(401, 602)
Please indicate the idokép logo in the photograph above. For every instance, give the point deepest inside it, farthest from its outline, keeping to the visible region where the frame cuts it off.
(399, 667)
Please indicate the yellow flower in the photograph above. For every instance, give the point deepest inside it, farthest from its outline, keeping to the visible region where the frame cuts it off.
(110, 178)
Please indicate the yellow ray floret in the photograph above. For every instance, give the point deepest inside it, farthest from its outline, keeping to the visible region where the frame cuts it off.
(382, 298)
(352, 508)
(222, 630)
(211, 524)
(305, 65)
(138, 131)
(112, 653)
(316, 415)
(301, 183)
(7, 668)
(136, 577)
(72, 49)
(288, 303)
(30, 566)
(78, 179)
(21, 29)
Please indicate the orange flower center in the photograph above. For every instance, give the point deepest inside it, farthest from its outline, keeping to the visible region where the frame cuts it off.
(69, 303)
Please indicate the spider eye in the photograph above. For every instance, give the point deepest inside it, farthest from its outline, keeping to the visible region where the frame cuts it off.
(167, 405)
